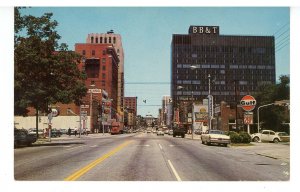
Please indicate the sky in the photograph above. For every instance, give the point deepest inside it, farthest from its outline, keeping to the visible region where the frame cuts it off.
(147, 33)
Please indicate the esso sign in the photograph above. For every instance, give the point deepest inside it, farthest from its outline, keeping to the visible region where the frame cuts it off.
(248, 103)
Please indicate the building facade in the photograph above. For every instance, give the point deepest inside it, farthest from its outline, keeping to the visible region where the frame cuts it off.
(166, 111)
(116, 40)
(100, 63)
(227, 66)
(130, 104)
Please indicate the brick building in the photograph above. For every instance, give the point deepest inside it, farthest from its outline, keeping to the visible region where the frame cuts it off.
(116, 40)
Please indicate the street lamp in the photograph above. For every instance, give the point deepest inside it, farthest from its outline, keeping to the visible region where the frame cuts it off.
(278, 103)
(91, 105)
(210, 99)
(210, 105)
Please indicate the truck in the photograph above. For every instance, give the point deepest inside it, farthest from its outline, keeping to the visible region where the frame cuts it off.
(23, 137)
(179, 130)
(116, 128)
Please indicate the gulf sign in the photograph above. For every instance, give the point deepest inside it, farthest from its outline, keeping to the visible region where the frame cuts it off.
(248, 103)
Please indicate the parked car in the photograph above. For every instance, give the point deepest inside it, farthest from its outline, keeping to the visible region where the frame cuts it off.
(265, 136)
(283, 136)
(23, 137)
(64, 131)
(160, 132)
(215, 136)
(55, 133)
(197, 131)
(33, 131)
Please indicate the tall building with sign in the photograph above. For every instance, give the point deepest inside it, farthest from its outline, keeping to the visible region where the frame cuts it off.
(236, 64)
(116, 40)
(100, 62)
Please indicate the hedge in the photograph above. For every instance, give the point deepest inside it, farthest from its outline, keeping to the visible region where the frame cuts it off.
(242, 137)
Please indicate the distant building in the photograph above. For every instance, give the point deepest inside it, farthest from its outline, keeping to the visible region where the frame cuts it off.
(131, 103)
(166, 112)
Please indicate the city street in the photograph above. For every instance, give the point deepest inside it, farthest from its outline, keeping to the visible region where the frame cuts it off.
(148, 157)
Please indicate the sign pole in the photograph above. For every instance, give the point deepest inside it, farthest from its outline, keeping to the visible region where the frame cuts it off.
(49, 125)
(79, 121)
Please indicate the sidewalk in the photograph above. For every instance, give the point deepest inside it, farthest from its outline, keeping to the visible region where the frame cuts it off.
(66, 139)
(271, 150)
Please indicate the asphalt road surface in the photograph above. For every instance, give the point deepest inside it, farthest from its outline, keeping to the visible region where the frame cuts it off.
(142, 157)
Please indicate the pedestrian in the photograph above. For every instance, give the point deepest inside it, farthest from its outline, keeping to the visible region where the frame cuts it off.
(75, 132)
(69, 131)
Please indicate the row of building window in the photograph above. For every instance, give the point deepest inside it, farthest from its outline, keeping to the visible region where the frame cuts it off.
(220, 66)
(225, 49)
(104, 40)
(205, 93)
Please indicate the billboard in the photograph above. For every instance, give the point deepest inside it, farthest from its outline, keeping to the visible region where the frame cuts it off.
(200, 113)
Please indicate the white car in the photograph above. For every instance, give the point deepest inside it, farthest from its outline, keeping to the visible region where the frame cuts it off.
(265, 136)
(160, 132)
(215, 136)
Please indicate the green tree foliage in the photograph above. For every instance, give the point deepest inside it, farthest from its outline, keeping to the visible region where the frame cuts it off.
(45, 72)
(273, 116)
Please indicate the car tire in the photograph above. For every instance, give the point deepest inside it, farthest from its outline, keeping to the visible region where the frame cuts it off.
(276, 140)
(256, 139)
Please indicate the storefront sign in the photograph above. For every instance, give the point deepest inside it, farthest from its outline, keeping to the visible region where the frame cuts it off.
(204, 30)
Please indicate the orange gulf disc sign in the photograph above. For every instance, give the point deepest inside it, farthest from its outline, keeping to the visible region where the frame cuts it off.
(248, 103)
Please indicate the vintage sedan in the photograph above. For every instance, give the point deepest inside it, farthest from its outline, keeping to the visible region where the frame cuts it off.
(265, 136)
(283, 136)
(216, 137)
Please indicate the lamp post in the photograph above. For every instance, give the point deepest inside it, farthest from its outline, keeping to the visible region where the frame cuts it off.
(91, 105)
(210, 110)
(236, 104)
(210, 98)
(258, 114)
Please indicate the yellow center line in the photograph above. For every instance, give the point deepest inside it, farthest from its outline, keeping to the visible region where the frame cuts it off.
(88, 167)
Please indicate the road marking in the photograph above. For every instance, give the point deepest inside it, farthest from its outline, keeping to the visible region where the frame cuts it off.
(160, 147)
(286, 173)
(143, 145)
(88, 167)
(94, 146)
(75, 147)
(174, 171)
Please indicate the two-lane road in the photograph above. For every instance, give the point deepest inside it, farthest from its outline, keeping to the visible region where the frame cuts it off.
(143, 157)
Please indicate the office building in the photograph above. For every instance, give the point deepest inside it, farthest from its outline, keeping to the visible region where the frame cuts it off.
(237, 65)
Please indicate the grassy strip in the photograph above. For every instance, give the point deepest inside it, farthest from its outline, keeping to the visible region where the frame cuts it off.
(241, 144)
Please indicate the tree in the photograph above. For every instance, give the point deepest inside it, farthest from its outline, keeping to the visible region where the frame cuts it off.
(273, 116)
(45, 72)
